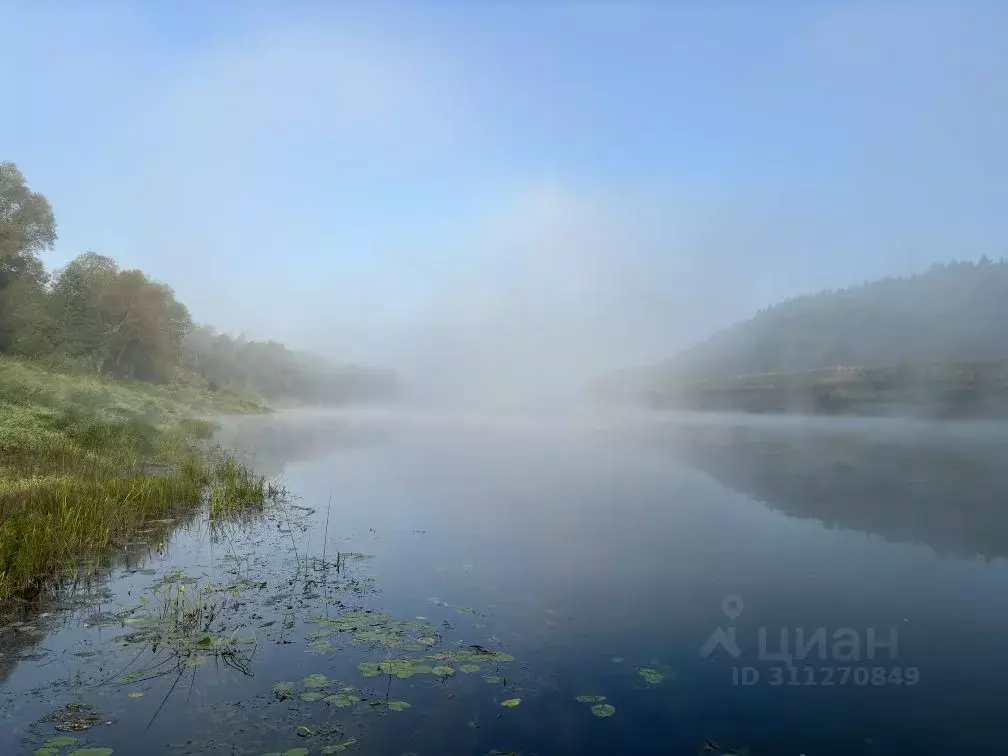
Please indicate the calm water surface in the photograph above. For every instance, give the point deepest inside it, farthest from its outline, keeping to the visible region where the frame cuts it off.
(605, 556)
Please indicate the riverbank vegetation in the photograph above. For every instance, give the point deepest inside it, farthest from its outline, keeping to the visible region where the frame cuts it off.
(87, 465)
(103, 379)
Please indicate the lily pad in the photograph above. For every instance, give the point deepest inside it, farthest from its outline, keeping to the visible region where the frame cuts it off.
(442, 671)
(195, 661)
(469, 668)
(135, 694)
(398, 705)
(283, 690)
(46, 751)
(311, 695)
(603, 710)
(342, 700)
(316, 680)
(339, 747)
(60, 741)
(511, 702)
(296, 752)
(590, 699)
(651, 676)
(91, 752)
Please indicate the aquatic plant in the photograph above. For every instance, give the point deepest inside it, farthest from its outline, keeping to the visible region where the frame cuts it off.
(651, 676)
(603, 710)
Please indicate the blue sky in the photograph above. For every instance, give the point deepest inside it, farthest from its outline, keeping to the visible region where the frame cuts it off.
(583, 185)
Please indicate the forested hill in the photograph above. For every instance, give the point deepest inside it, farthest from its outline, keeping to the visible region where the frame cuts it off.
(96, 316)
(951, 313)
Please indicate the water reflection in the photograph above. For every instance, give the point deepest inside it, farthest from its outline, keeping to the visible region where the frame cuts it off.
(546, 561)
(923, 483)
(275, 441)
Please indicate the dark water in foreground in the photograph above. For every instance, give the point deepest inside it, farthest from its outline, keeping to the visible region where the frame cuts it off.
(601, 555)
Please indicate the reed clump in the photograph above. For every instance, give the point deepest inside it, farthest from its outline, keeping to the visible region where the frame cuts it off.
(85, 470)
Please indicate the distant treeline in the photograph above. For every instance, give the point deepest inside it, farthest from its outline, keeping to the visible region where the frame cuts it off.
(933, 343)
(94, 315)
(950, 313)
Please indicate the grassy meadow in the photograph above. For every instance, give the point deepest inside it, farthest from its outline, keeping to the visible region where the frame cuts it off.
(87, 463)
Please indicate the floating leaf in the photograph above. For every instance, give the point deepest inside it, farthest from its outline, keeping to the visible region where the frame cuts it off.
(443, 671)
(472, 725)
(61, 741)
(511, 702)
(46, 751)
(296, 752)
(369, 669)
(492, 679)
(342, 700)
(321, 647)
(603, 710)
(311, 695)
(303, 732)
(135, 694)
(651, 676)
(206, 642)
(590, 699)
(195, 661)
(473, 654)
(91, 752)
(339, 747)
(469, 668)
(283, 690)
(317, 680)
(398, 705)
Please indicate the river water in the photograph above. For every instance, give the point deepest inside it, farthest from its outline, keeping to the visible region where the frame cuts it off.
(784, 586)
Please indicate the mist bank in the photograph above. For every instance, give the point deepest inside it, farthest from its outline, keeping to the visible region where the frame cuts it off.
(93, 316)
(931, 344)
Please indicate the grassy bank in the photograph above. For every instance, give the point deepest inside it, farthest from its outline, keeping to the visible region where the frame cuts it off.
(86, 465)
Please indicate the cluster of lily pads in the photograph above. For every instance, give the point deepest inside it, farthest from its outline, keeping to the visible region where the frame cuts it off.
(317, 687)
(599, 707)
(443, 664)
(54, 745)
(373, 627)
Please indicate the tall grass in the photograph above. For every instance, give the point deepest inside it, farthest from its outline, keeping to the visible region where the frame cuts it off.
(84, 467)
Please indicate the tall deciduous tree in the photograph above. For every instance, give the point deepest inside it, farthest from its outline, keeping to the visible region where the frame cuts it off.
(27, 228)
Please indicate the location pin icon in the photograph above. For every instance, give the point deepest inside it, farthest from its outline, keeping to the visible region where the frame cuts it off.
(732, 606)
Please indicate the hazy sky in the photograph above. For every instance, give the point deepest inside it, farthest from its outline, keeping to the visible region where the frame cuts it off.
(465, 186)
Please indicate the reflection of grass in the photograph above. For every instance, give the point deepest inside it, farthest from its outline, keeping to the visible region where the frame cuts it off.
(86, 464)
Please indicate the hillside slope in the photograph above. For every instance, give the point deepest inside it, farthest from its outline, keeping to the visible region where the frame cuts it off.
(951, 313)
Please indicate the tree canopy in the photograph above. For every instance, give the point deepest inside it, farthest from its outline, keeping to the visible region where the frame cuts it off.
(950, 313)
(123, 324)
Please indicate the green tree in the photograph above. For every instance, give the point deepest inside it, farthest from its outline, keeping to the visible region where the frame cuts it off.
(27, 228)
